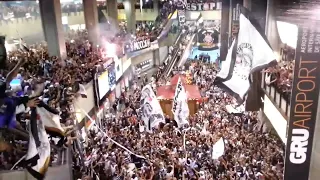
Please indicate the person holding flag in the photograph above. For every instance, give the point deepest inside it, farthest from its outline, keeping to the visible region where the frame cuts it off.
(180, 107)
(249, 53)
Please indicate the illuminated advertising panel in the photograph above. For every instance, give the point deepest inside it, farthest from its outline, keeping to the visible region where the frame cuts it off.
(103, 84)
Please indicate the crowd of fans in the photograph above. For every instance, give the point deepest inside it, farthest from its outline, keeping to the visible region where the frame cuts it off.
(281, 76)
(61, 79)
(250, 153)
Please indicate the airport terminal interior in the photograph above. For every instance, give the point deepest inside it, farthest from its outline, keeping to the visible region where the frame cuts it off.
(159, 89)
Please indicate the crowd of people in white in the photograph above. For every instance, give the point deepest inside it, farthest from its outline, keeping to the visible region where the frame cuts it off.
(250, 152)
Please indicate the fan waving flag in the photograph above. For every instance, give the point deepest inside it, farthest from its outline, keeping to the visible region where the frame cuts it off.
(180, 107)
(151, 112)
(38, 156)
(51, 121)
(249, 53)
(218, 149)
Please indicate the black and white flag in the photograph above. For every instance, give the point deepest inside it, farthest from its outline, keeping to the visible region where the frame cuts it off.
(37, 158)
(180, 107)
(151, 112)
(250, 52)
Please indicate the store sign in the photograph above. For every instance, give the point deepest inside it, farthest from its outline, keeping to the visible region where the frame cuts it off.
(203, 6)
(140, 44)
(208, 39)
(304, 105)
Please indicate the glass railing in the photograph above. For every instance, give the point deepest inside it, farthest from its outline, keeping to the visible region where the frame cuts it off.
(279, 98)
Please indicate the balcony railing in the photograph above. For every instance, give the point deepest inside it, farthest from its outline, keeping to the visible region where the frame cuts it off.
(280, 99)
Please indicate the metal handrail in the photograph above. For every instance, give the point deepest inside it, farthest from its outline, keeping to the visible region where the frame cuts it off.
(175, 54)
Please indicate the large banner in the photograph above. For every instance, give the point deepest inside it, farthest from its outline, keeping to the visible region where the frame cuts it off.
(181, 11)
(199, 5)
(180, 108)
(235, 19)
(103, 84)
(304, 105)
(151, 112)
(208, 39)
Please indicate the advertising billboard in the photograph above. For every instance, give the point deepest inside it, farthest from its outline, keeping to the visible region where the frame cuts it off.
(208, 39)
(103, 84)
(137, 44)
(199, 5)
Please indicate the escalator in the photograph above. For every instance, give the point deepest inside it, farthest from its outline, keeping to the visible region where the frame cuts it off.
(164, 28)
(178, 60)
(175, 53)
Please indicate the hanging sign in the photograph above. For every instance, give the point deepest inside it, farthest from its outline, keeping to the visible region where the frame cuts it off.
(198, 5)
(304, 105)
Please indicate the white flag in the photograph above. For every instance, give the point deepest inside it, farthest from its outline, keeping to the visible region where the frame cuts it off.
(251, 53)
(38, 156)
(82, 91)
(226, 64)
(180, 107)
(151, 112)
(218, 149)
(235, 109)
(51, 121)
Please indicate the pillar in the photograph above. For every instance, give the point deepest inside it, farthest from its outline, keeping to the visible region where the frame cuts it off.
(156, 58)
(156, 6)
(224, 30)
(130, 11)
(91, 20)
(247, 4)
(52, 27)
(112, 10)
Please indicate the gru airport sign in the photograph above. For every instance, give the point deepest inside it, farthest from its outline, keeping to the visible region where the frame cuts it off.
(304, 105)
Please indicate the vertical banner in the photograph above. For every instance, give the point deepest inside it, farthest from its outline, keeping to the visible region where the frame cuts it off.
(304, 105)
(235, 19)
(181, 16)
(181, 12)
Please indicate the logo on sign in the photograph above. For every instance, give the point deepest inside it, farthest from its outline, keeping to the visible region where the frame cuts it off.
(142, 44)
(298, 146)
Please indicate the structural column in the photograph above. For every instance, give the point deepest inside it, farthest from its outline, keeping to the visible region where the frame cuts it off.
(224, 37)
(156, 58)
(112, 9)
(156, 6)
(130, 11)
(91, 20)
(52, 27)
